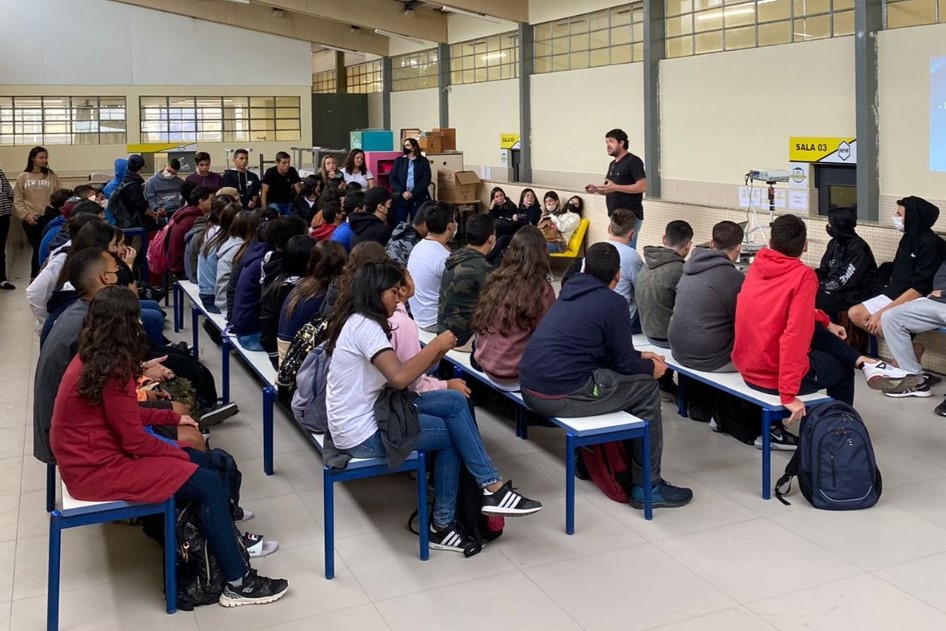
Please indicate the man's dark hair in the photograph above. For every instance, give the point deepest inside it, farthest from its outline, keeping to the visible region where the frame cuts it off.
(618, 134)
(622, 222)
(678, 233)
(352, 187)
(439, 217)
(84, 267)
(727, 235)
(479, 228)
(603, 262)
(77, 222)
(86, 207)
(278, 231)
(241, 152)
(83, 190)
(330, 210)
(59, 197)
(198, 195)
(175, 164)
(789, 235)
(281, 155)
(355, 202)
(420, 218)
(201, 156)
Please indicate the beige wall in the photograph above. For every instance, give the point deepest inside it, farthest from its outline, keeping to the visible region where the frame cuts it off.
(723, 114)
(481, 112)
(546, 10)
(375, 111)
(904, 60)
(415, 109)
(461, 28)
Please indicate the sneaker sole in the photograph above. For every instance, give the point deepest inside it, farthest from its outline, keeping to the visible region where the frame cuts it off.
(922, 394)
(226, 601)
(509, 512)
(778, 447)
(215, 418)
(662, 504)
(895, 384)
(437, 546)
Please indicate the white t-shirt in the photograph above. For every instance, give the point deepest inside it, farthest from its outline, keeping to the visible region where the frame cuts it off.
(358, 177)
(354, 383)
(631, 264)
(426, 264)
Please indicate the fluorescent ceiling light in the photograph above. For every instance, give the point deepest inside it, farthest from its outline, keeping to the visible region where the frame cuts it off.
(338, 48)
(238, 1)
(408, 38)
(472, 14)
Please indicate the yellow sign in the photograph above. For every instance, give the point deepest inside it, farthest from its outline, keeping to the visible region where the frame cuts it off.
(156, 147)
(507, 141)
(822, 149)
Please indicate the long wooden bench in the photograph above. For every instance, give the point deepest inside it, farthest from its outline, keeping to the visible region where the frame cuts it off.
(732, 383)
(579, 431)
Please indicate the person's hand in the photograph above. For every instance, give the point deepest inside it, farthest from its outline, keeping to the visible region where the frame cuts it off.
(936, 293)
(162, 212)
(460, 386)
(873, 323)
(649, 355)
(515, 217)
(128, 254)
(591, 188)
(838, 330)
(151, 214)
(406, 194)
(660, 368)
(154, 370)
(607, 187)
(187, 421)
(31, 220)
(446, 341)
(797, 409)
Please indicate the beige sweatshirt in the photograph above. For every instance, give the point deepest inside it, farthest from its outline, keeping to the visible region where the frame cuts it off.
(32, 191)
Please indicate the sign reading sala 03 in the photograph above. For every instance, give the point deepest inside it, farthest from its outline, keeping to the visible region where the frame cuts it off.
(822, 150)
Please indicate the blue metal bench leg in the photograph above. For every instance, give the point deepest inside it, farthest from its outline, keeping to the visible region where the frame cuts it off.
(522, 421)
(179, 303)
(766, 454)
(269, 400)
(648, 474)
(50, 487)
(328, 512)
(873, 346)
(170, 556)
(167, 289)
(195, 318)
(682, 395)
(225, 368)
(422, 524)
(52, 588)
(570, 447)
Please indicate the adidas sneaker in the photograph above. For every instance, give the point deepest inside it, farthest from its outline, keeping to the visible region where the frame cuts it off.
(508, 503)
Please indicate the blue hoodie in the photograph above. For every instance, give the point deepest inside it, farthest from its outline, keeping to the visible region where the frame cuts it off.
(588, 327)
(52, 229)
(121, 167)
(246, 300)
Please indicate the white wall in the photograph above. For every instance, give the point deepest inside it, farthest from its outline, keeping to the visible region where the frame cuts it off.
(481, 112)
(98, 42)
(461, 28)
(904, 95)
(415, 109)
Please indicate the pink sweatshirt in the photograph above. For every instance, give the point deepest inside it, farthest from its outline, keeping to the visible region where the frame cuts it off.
(499, 355)
(407, 344)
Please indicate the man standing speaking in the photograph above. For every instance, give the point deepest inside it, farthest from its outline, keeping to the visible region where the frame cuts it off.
(626, 181)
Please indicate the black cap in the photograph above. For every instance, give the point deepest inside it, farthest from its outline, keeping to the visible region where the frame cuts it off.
(135, 162)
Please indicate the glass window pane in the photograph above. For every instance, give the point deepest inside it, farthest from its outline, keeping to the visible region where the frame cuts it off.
(560, 46)
(679, 26)
(774, 10)
(911, 13)
(559, 63)
(811, 7)
(740, 15)
(678, 7)
(542, 48)
(708, 21)
(600, 57)
(543, 65)
(620, 35)
(702, 5)
(841, 5)
(560, 29)
(621, 55)
(579, 60)
(620, 16)
(541, 32)
(637, 33)
(775, 33)
(843, 23)
(680, 46)
(709, 42)
(579, 42)
(599, 21)
(743, 37)
(637, 50)
(812, 28)
(602, 39)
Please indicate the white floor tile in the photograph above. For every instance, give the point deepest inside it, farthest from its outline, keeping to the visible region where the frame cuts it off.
(922, 578)
(361, 618)
(738, 619)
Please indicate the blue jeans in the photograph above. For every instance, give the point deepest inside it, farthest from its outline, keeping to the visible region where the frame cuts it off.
(555, 246)
(152, 319)
(208, 301)
(250, 342)
(284, 209)
(637, 230)
(447, 429)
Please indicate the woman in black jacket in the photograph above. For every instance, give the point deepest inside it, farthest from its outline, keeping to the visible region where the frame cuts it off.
(276, 286)
(529, 206)
(507, 215)
(410, 181)
(848, 271)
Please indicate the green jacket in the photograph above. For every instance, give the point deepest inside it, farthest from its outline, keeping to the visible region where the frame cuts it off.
(463, 278)
(656, 290)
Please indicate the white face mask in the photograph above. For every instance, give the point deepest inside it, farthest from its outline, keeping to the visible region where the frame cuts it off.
(898, 223)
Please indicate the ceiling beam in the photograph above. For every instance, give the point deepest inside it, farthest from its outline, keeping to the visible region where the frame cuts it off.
(512, 10)
(257, 17)
(388, 15)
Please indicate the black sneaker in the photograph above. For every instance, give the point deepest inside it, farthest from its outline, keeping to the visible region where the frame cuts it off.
(781, 440)
(452, 539)
(664, 495)
(508, 503)
(932, 379)
(217, 414)
(923, 390)
(941, 408)
(256, 590)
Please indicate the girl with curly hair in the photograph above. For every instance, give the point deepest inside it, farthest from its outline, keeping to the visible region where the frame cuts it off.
(104, 452)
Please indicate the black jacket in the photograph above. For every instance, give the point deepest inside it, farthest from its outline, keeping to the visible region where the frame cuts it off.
(921, 251)
(399, 424)
(132, 193)
(368, 227)
(533, 213)
(398, 180)
(848, 271)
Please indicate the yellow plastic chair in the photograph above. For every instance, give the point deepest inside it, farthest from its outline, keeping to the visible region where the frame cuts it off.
(575, 243)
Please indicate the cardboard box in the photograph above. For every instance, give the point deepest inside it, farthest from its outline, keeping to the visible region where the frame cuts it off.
(457, 187)
(448, 136)
(431, 144)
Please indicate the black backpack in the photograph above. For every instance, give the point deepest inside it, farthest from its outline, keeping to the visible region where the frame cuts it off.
(124, 218)
(834, 462)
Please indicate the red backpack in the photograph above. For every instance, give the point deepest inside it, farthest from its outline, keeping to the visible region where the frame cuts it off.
(158, 262)
(608, 464)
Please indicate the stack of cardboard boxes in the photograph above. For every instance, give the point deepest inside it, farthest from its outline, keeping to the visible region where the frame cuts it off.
(454, 184)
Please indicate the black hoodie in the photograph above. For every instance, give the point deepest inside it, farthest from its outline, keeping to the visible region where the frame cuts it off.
(368, 227)
(921, 251)
(848, 269)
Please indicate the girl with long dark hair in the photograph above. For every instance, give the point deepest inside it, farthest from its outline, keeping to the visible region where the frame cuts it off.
(514, 299)
(293, 265)
(209, 257)
(529, 206)
(104, 452)
(559, 223)
(364, 362)
(242, 231)
(356, 170)
(31, 194)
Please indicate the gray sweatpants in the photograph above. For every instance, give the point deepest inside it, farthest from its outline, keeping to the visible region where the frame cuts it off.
(916, 316)
(637, 394)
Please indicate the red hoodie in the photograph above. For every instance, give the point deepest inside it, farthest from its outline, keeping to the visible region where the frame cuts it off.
(775, 319)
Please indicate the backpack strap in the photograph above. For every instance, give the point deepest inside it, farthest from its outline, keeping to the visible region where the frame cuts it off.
(791, 470)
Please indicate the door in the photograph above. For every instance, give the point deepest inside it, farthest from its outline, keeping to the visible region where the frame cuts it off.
(334, 116)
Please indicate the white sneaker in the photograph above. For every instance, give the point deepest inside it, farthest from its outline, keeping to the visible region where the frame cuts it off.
(881, 376)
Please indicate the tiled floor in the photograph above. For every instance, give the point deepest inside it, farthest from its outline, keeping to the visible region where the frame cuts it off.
(728, 561)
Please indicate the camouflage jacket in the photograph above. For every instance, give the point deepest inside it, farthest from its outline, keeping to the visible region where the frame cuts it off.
(464, 275)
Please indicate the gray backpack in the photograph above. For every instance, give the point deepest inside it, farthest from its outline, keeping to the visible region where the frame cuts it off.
(308, 401)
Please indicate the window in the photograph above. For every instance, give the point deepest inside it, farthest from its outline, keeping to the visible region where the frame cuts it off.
(324, 82)
(602, 38)
(219, 118)
(695, 27)
(414, 71)
(914, 12)
(63, 120)
(489, 59)
(365, 78)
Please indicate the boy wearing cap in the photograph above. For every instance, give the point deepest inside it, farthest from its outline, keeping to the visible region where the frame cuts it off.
(371, 225)
(626, 182)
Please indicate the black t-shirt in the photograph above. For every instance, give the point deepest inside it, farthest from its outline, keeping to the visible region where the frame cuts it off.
(280, 186)
(628, 170)
(246, 182)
